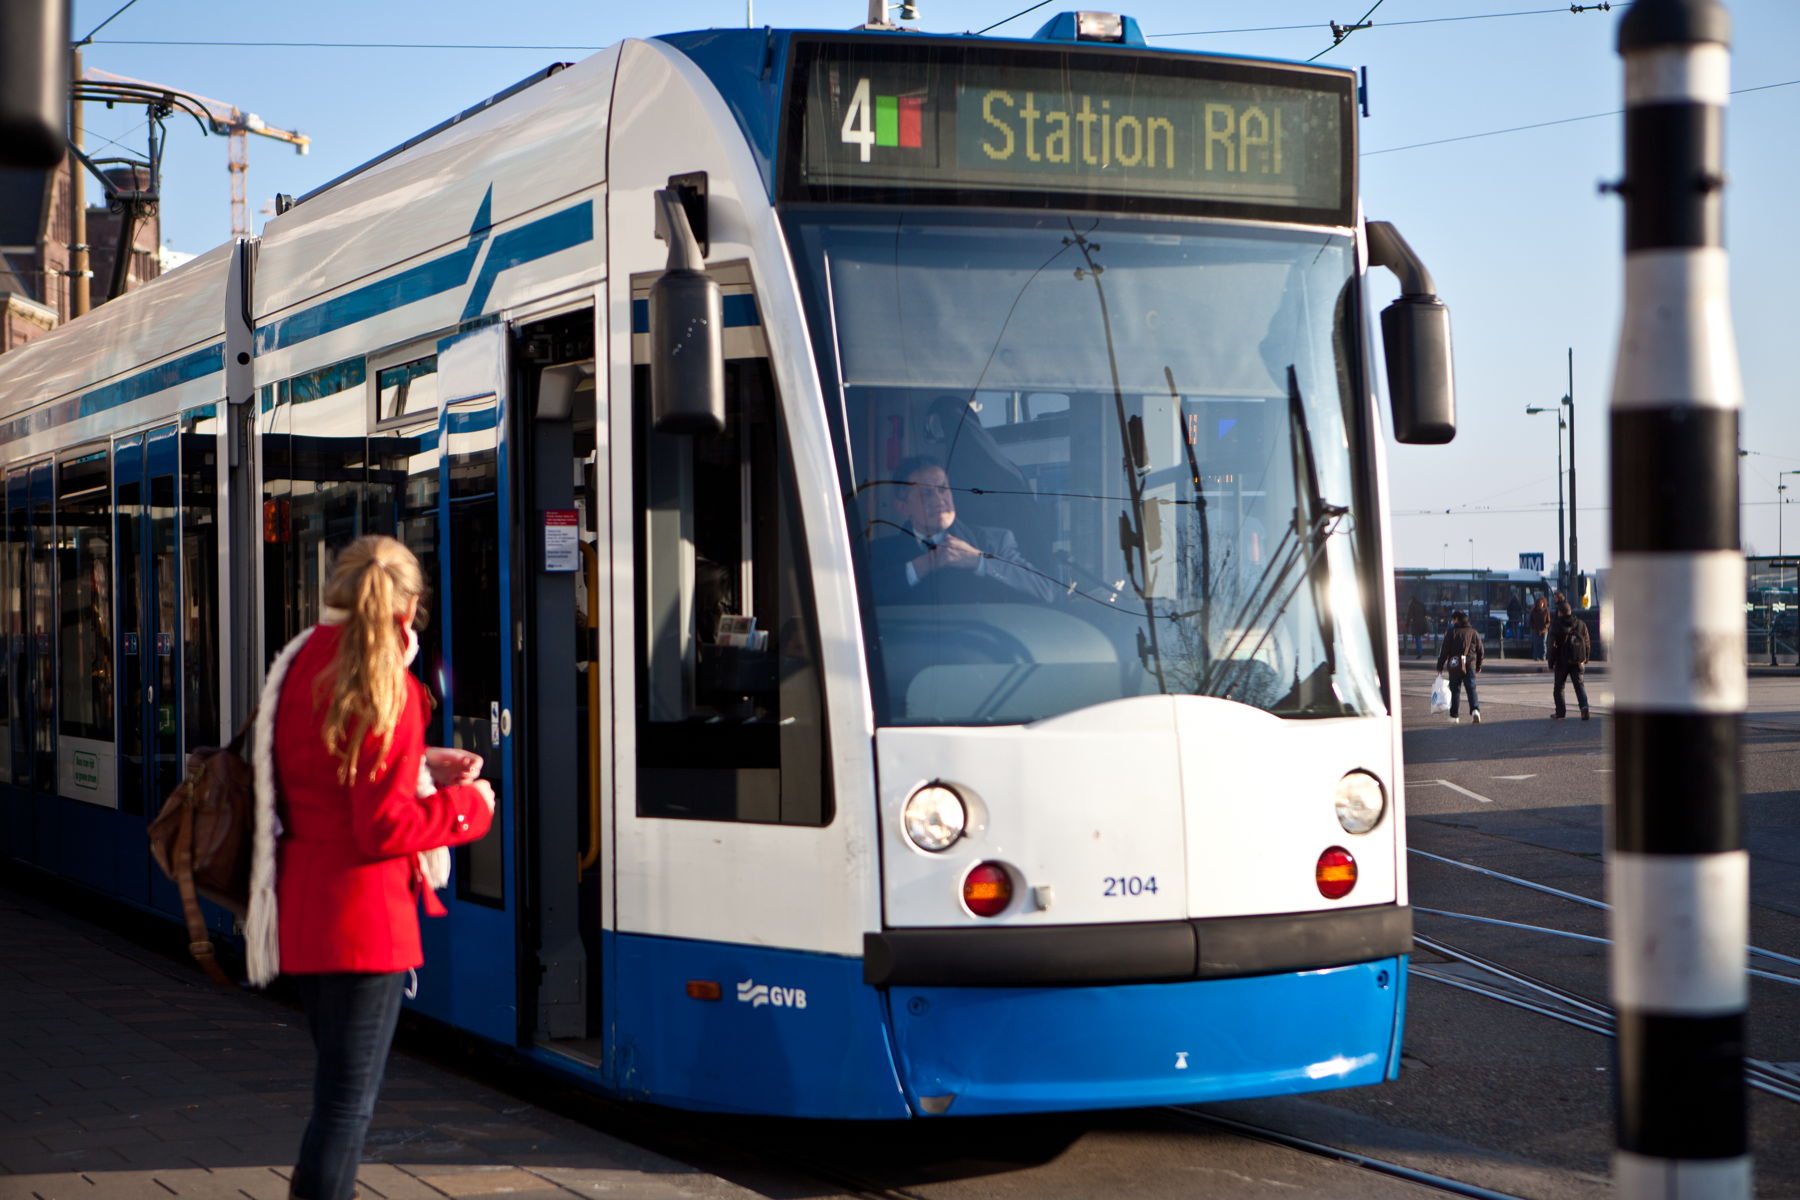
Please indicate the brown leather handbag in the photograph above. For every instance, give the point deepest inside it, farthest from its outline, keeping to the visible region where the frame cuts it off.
(203, 836)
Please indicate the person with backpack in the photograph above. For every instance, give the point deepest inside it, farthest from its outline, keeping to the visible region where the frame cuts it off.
(1460, 657)
(1568, 654)
(353, 813)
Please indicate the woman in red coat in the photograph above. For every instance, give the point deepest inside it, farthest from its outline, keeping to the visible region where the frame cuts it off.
(361, 809)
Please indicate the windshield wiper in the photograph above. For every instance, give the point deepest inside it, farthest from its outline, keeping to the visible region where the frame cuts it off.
(1301, 544)
(1133, 522)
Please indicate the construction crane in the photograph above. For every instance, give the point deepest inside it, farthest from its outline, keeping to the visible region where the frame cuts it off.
(227, 119)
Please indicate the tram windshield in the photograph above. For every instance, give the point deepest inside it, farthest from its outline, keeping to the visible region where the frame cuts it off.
(1097, 458)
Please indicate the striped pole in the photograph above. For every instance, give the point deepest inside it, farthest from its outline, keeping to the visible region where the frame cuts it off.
(1678, 874)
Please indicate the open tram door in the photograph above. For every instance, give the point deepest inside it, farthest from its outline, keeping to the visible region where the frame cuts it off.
(561, 585)
(513, 609)
(470, 976)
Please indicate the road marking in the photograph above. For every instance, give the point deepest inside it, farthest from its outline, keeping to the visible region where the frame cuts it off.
(1455, 787)
(1512, 776)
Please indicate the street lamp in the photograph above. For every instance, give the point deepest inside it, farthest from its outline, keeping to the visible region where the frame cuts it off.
(1560, 426)
(1780, 505)
(1574, 585)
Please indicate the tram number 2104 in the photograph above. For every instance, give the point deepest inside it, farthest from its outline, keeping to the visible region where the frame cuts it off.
(1129, 885)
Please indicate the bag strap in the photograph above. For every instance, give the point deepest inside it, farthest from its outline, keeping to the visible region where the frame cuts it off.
(242, 737)
(199, 942)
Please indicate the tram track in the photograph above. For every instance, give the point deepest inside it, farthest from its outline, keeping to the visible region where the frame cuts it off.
(1588, 1014)
(1276, 1137)
(1575, 1009)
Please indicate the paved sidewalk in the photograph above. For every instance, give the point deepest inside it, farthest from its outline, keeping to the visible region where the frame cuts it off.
(126, 1076)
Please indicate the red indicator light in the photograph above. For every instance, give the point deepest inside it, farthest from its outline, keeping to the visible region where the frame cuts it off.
(912, 111)
(987, 890)
(1336, 873)
(702, 989)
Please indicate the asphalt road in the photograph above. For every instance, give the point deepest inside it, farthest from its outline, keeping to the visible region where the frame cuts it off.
(1525, 795)
(1490, 1094)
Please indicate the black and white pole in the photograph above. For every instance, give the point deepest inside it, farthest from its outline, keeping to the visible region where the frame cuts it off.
(1678, 874)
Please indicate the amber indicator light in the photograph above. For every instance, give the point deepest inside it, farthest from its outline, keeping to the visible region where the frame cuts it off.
(1335, 873)
(987, 890)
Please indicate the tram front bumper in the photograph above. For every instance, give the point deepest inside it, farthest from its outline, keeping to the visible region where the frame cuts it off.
(969, 1051)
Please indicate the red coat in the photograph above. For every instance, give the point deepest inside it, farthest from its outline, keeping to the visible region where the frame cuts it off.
(346, 880)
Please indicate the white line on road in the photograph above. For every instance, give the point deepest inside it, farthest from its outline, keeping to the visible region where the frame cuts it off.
(1455, 787)
(1512, 776)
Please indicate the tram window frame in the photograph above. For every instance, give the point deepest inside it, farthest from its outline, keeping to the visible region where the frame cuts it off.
(420, 362)
(10, 623)
(749, 769)
(198, 549)
(304, 527)
(84, 619)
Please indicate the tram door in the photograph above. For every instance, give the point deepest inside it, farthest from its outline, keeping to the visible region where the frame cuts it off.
(148, 652)
(470, 975)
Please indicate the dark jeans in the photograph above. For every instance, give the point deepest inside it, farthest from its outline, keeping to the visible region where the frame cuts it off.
(352, 1017)
(1570, 672)
(1466, 681)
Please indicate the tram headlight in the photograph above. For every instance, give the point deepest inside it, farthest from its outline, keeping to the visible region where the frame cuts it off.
(1360, 802)
(934, 817)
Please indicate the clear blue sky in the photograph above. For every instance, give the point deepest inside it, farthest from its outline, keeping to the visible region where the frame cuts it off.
(1524, 248)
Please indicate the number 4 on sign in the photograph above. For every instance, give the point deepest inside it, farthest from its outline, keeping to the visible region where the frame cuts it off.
(859, 122)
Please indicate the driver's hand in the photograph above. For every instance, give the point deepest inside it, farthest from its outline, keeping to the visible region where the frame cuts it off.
(954, 552)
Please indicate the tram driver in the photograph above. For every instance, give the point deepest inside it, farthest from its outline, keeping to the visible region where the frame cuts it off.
(935, 553)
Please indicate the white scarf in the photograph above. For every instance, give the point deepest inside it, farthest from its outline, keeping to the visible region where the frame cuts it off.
(262, 930)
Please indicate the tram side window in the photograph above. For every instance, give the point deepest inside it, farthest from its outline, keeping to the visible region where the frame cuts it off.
(730, 708)
(315, 466)
(402, 501)
(407, 389)
(84, 574)
(13, 756)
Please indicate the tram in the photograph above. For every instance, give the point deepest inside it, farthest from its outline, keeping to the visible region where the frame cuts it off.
(908, 530)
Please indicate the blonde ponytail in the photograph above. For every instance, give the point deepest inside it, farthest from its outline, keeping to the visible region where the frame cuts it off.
(373, 581)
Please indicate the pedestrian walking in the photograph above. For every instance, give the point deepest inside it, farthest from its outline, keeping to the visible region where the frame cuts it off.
(1540, 629)
(1568, 652)
(1460, 658)
(365, 815)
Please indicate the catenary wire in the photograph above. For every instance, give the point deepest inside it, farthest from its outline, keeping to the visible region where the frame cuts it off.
(1533, 12)
(1340, 33)
(102, 25)
(1015, 16)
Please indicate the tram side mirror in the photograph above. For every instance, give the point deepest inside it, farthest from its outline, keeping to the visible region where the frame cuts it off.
(1415, 337)
(687, 331)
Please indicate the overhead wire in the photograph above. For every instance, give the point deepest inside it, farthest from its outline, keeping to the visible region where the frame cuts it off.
(102, 25)
(338, 45)
(1532, 12)
(1340, 32)
(1015, 16)
(1465, 137)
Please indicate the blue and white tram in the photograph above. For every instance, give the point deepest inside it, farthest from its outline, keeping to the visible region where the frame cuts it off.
(967, 688)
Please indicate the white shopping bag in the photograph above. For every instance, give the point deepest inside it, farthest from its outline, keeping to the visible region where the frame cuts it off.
(1440, 694)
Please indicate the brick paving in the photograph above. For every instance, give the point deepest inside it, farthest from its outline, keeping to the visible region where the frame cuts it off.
(125, 1075)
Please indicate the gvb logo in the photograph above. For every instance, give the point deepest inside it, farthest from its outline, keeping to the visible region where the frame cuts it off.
(758, 994)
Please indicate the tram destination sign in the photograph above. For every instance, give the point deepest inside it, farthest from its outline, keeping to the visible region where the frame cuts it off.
(897, 119)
